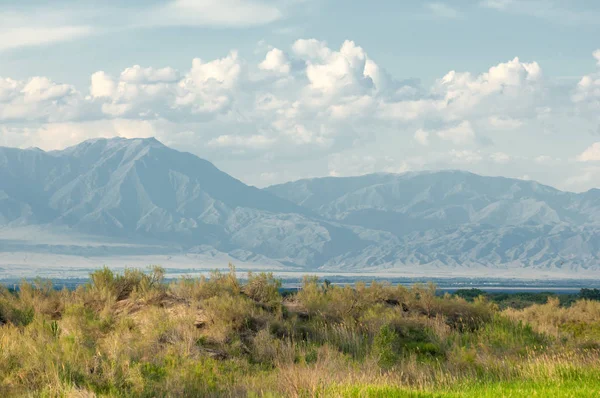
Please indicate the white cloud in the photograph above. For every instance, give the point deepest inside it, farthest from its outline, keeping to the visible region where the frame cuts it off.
(591, 154)
(341, 165)
(596, 55)
(584, 179)
(51, 136)
(504, 123)
(311, 49)
(102, 85)
(27, 25)
(11, 38)
(462, 133)
(253, 142)
(587, 93)
(338, 72)
(509, 87)
(465, 156)
(276, 61)
(44, 26)
(500, 157)
(139, 75)
(38, 98)
(422, 137)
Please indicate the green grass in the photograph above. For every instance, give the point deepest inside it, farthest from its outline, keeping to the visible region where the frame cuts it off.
(516, 390)
(585, 388)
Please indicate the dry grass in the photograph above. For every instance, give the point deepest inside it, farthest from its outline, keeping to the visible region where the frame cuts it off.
(132, 335)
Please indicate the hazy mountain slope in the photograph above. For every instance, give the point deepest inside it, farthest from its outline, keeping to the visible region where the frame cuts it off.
(142, 191)
(138, 197)
(453, 220)
(421, 201)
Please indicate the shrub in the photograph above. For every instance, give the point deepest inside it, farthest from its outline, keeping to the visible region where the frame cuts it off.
(386, 347)
(263, 288)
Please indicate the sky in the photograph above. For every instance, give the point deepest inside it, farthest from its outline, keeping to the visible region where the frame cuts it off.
(276, 90)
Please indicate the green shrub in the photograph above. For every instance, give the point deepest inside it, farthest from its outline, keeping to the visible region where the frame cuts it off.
(386, 347)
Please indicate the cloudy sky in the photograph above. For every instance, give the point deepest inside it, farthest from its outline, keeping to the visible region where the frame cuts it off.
(276, 90)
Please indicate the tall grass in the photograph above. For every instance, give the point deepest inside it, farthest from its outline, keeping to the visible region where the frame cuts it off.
(130, 334)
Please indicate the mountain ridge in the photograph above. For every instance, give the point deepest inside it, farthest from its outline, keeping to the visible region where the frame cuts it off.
(141, 191)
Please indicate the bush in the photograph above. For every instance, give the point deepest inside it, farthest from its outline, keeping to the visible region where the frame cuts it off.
(386, 347)
(263, 288)
(590, 294)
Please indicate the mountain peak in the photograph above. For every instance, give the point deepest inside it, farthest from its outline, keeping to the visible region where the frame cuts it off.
(102, 145)
(122, 141)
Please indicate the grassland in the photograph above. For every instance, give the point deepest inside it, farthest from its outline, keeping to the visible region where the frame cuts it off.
(131, 335)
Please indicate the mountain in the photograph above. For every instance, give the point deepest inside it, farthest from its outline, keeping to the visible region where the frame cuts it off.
(459, 219)
(135, 198)
(421, 201)
(144, 192)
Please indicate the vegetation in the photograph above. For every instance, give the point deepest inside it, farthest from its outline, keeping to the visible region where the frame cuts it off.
(133, 335)
(525, 299)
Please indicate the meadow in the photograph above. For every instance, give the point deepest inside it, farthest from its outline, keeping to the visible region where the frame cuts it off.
(131, 334)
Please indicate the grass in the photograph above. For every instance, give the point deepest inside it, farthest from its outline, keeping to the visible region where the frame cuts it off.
(555, 388)
(132, 335)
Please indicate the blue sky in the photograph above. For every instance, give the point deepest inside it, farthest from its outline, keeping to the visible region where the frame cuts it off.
(285, 89)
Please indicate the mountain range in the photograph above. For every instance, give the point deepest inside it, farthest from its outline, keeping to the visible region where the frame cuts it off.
(126, 197)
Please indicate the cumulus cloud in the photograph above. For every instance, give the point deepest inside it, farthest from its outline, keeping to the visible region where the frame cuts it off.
(308, 103)
(139, 75)
(102, 85)
(38, 98)
(336, 72)
(587, 93)
(596, 55)
(591, 154)
(509, 87)
(276, 61)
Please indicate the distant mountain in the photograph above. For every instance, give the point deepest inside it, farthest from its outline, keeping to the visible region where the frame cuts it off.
(455, 218)
(421, 201)
(141, 191)
(149, 198)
